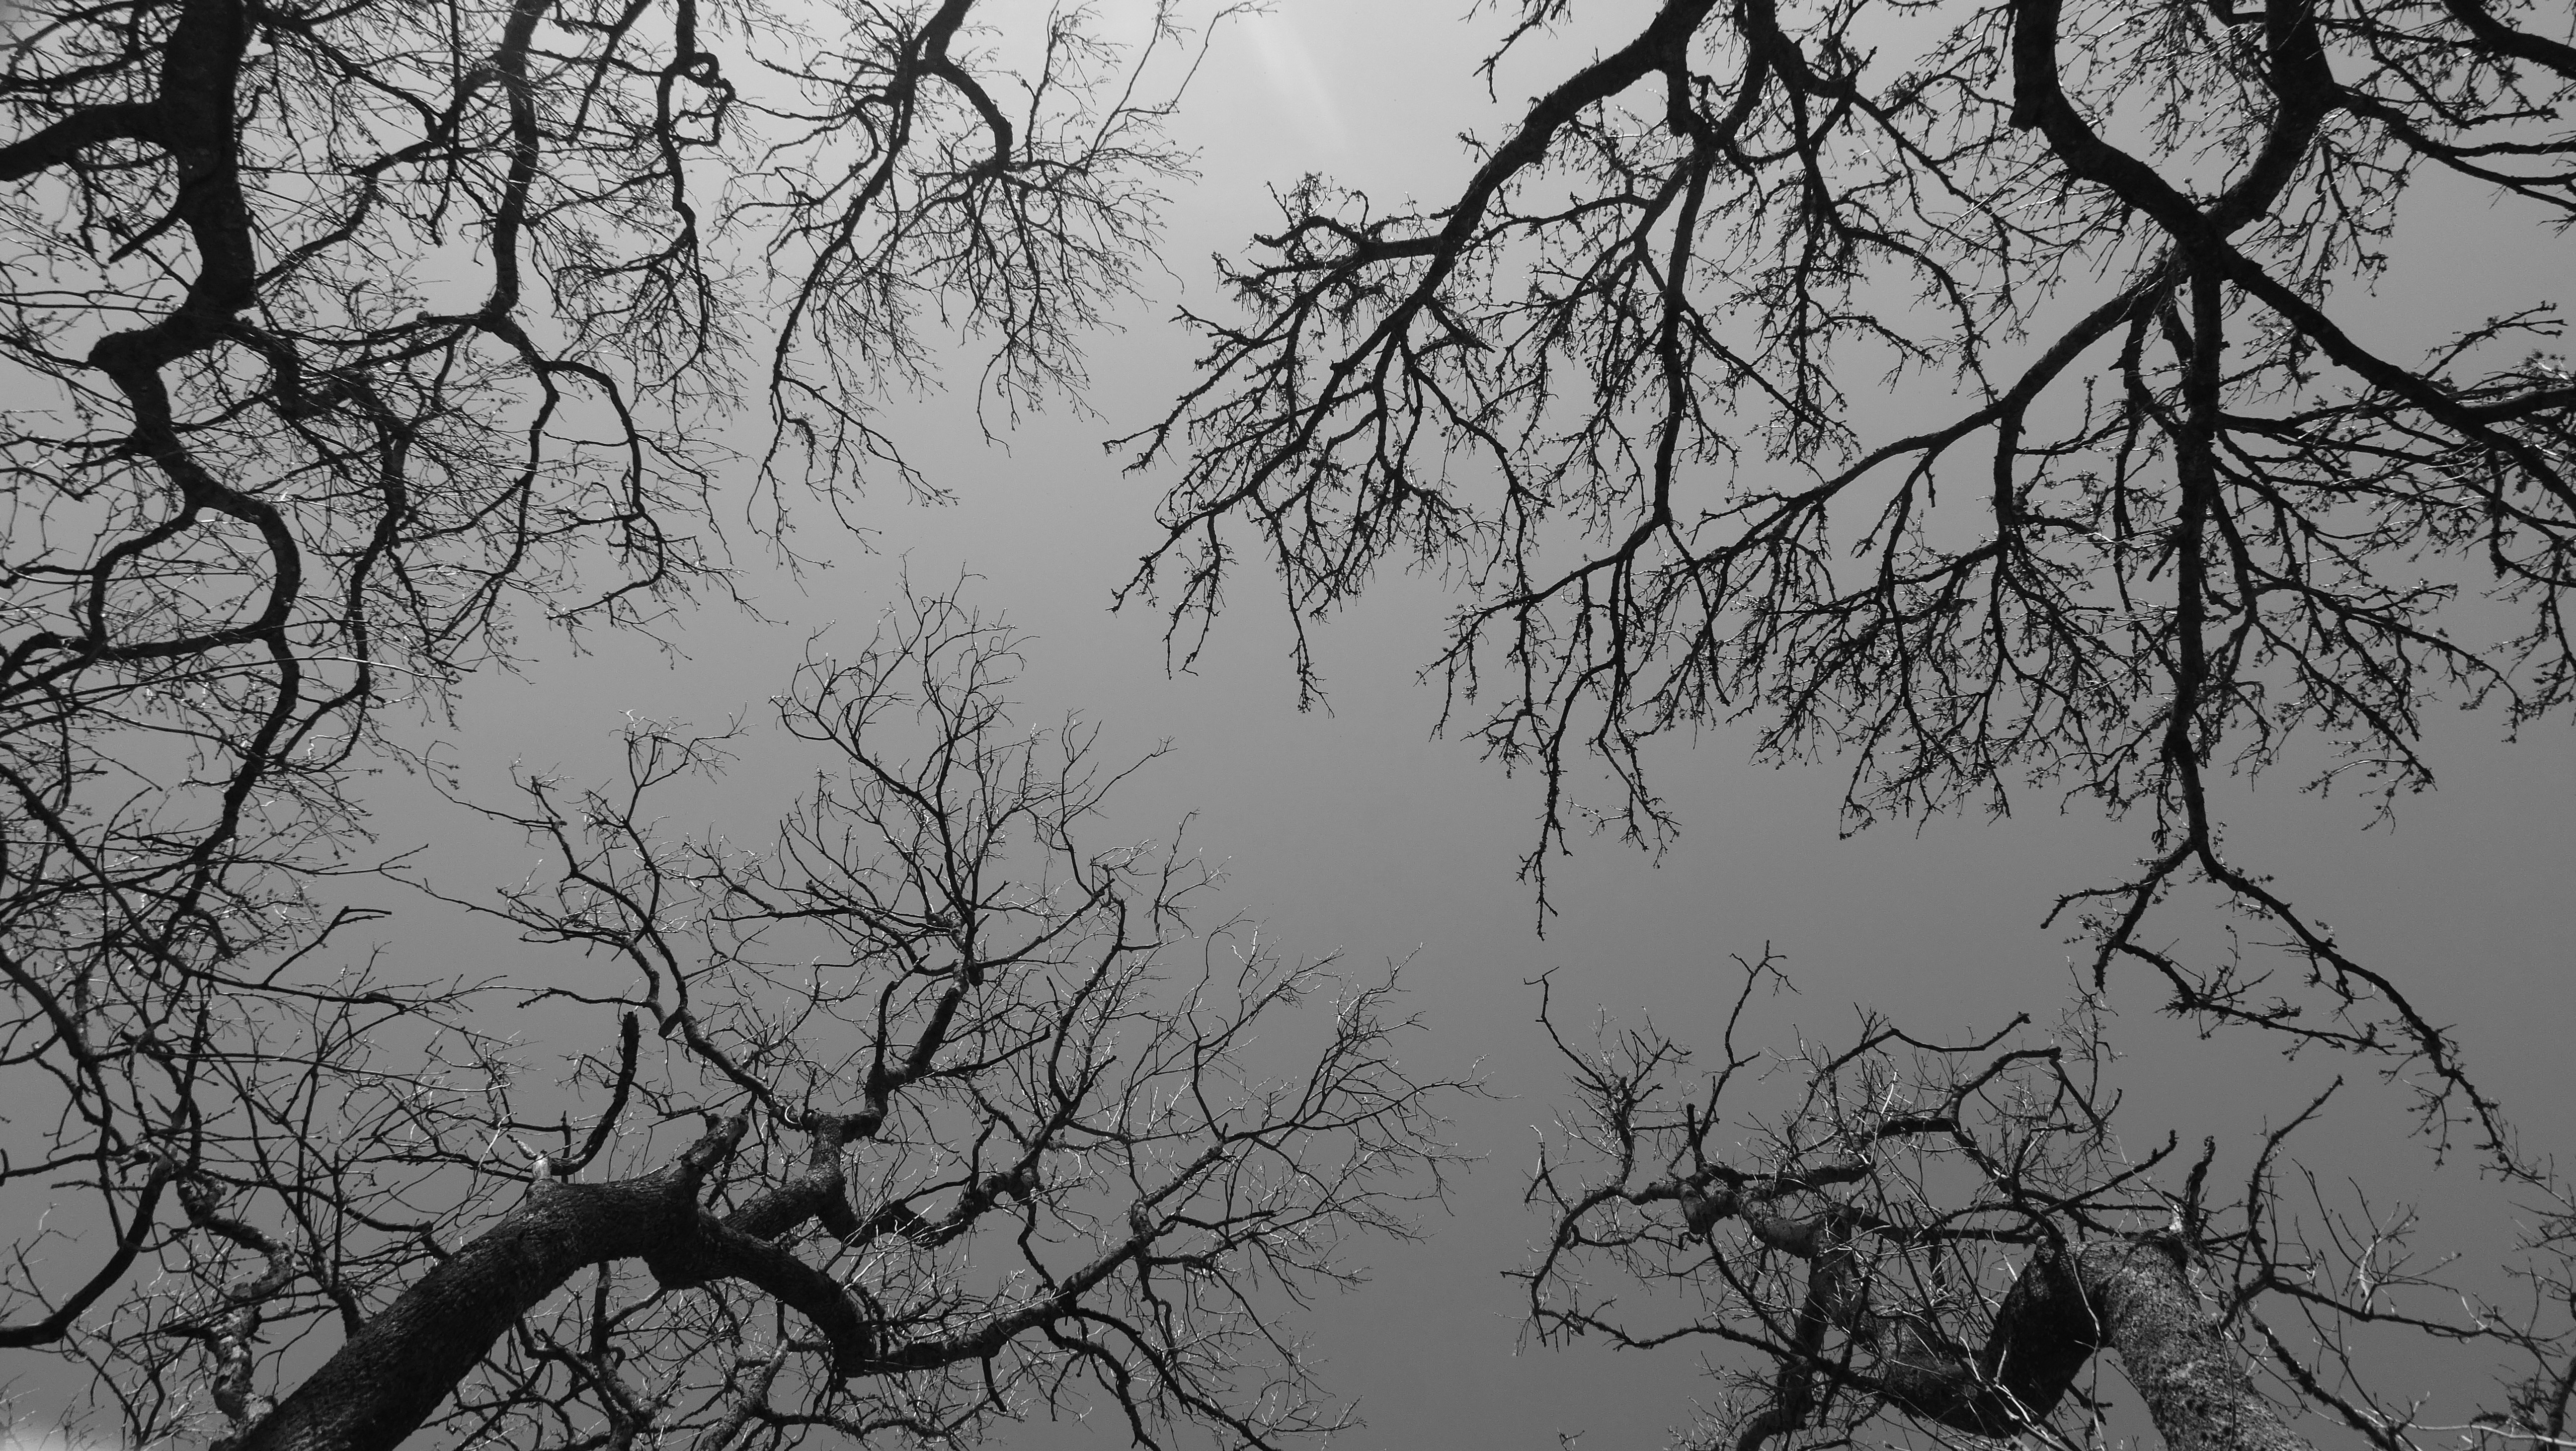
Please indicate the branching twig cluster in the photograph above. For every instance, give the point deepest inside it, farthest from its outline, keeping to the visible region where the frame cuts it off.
(1901, 1232)
(932, 1112)
(340, 344)
(1627, 388)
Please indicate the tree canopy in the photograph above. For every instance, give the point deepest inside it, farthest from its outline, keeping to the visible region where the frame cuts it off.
(1627, 388)
(1993, 400)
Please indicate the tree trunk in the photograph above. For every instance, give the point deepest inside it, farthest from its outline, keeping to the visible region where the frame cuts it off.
(401, 1364)
(2195, 1387)
(2130, 1296)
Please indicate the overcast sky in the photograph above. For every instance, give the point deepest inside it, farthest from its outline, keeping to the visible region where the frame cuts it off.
(1355, 830)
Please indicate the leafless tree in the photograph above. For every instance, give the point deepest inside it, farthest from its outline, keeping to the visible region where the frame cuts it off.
(343, 344)
(1892, 1234)
(338, 334)
(935, 1110)
(1625, 387)
(1977, 395)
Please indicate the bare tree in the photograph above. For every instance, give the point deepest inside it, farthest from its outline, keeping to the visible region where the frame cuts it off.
(342, 345)
(336, 334)
(1892, 1233)
(935, 1110)
(1975, 395)
(1624, 387)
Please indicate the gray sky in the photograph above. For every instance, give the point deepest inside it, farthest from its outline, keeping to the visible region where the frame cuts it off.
(1353, 830)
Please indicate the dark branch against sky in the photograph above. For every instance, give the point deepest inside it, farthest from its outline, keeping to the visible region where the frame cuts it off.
(1304, 746)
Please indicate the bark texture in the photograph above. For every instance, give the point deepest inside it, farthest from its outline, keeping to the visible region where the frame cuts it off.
(2133, 1297)
(2194, 1384)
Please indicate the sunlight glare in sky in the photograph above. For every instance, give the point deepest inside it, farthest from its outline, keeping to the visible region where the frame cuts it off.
(1295, 79)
